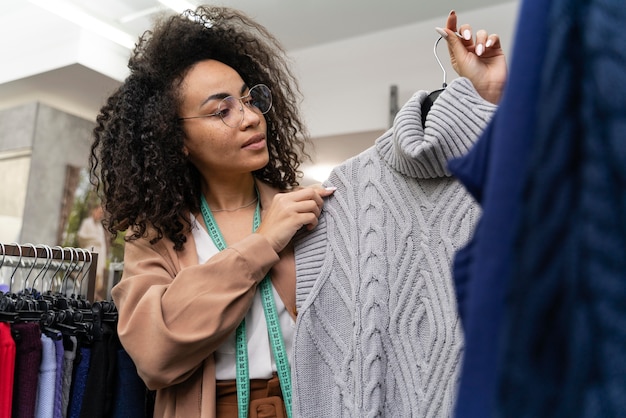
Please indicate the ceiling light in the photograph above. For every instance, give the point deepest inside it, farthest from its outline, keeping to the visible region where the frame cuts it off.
(178, 6)
(86, 21)
(140, 14)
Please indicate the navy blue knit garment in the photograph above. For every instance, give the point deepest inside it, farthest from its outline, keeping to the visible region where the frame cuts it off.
(493, 171)
(565, 325)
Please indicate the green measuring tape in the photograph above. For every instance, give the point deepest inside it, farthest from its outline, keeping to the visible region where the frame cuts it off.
(271, 318)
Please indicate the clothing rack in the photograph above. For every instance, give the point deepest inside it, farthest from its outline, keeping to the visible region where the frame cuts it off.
(61, 353)
(28, 268)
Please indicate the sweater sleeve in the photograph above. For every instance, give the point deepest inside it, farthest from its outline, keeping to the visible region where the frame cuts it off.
(171, 319)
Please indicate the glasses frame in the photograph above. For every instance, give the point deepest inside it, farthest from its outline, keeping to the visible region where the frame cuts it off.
(242, 105)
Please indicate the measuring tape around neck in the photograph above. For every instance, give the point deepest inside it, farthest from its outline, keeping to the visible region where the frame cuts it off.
(271, 318)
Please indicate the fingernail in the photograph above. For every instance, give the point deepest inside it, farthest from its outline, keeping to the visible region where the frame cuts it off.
(467, 35)
(331, 188)
(480, 49)
(441, 32)
(452, 12)
(489, 43)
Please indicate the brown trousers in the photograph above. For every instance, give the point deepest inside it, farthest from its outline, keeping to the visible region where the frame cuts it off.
(266, 399)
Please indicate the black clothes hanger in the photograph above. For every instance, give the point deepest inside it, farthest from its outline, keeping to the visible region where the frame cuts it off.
(58, 314)
(428, 103)
(8, 300)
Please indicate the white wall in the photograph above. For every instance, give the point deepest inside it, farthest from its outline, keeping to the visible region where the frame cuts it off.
(346, 84)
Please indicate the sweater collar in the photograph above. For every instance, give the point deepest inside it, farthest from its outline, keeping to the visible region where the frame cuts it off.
(423, 153)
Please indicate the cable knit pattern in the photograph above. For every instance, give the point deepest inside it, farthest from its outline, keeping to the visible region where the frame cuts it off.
(378, 332)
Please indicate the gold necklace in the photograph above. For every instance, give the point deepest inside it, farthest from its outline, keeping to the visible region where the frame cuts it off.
(236, 209)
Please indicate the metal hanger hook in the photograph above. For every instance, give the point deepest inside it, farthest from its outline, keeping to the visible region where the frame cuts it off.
(32, 267)
(4, 254)
(17, 265)
(60, 264)
(44, 268)
(445, 84)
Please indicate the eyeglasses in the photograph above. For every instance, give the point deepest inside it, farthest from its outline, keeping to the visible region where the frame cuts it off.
(230, 109)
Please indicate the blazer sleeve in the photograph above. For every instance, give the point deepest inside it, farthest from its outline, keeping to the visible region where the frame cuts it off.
(170, 318)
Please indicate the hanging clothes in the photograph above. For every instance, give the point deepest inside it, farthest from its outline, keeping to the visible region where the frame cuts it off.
(59, 353)
(99, 386)
(27, 360)
(58, 384)
(377, 331)
(542, 284)
(564, 335)
(79, 383)
(41, 378)
(44, 401)
(70, 344)
(132, 398)
(493, 172)
(7, 370)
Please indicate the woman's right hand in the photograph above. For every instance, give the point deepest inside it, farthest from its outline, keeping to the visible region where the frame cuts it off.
(291, 211)
(482, 60)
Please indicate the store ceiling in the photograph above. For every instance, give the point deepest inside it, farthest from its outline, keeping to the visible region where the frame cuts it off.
(33, 30)
(26, 25)
(298, 24)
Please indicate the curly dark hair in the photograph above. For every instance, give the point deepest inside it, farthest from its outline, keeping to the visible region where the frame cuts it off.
(137, 160)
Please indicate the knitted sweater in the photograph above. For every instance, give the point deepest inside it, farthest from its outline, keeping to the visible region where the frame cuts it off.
(377, 332)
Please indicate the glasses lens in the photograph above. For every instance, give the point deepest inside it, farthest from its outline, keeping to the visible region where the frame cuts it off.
(261, 98)
(230, 111)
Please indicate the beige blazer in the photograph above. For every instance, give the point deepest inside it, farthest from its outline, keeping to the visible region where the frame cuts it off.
(174, 313)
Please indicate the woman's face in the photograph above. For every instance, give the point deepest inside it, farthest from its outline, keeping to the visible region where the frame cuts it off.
(213, 147)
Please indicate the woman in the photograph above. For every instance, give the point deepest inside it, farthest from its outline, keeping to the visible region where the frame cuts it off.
(197, 155)
(188, 136)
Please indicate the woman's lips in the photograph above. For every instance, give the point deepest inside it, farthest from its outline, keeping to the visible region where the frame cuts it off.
(256, 142)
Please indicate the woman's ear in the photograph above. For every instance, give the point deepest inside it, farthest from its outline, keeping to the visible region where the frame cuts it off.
(185, 151)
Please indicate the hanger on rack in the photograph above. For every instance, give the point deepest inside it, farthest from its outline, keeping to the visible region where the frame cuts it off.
(83, 302)
(18, 264)
(34, 298)
(7, 305)
(44, 269)
(428, 103)
(15, 306)
(67, 316)
(4, 256)
(27, 305)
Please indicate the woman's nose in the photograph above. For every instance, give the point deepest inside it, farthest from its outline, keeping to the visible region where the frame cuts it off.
(251, 116)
